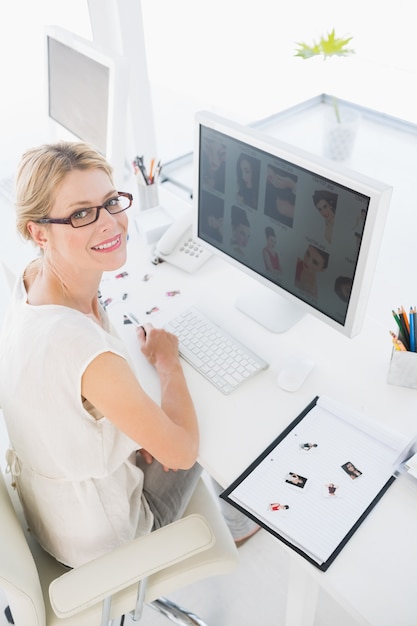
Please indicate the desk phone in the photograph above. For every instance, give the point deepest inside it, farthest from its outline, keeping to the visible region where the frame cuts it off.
(178, 246)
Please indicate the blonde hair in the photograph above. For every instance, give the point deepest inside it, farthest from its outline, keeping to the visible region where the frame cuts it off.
(42, 169)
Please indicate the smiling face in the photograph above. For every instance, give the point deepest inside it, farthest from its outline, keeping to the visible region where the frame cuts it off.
(100, 246)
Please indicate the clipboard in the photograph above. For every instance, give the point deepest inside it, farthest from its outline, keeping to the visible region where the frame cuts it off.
(326, 505)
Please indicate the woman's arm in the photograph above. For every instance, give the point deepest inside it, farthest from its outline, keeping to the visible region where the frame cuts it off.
(170, 431)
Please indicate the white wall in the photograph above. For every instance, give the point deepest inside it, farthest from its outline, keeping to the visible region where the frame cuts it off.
(226, 55)
(23, 70)
(239, 55)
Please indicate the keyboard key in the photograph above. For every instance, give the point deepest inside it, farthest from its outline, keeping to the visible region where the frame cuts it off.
(213, 352)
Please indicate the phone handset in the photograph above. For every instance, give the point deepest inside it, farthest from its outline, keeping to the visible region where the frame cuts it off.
(178, 247)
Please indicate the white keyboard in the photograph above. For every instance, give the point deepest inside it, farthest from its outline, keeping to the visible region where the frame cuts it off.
(213, 352)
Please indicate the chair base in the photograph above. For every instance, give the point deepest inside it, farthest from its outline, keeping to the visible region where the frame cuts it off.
(175, 613)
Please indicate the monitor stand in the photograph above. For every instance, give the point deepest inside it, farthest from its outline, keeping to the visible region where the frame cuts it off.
(269, 309)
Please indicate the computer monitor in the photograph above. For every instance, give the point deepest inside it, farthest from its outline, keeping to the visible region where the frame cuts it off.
(87, 95)
(307, 230)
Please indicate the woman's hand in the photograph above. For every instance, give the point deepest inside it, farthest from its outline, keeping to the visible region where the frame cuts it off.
(148, 458)
(279, 181)
(159, 347)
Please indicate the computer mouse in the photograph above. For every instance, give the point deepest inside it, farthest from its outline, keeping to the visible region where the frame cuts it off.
(294, 373)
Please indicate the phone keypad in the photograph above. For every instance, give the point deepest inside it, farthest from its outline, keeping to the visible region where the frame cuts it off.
(191, 247)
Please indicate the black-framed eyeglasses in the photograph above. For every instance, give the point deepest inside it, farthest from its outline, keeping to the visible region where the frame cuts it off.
(84, 217)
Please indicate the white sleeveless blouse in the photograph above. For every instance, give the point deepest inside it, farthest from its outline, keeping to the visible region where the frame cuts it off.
(76, 475)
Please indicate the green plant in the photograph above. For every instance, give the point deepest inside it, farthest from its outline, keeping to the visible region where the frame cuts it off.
(326, 47)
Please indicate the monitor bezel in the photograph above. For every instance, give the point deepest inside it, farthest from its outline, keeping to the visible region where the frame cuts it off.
(117, 94)
(379, 194)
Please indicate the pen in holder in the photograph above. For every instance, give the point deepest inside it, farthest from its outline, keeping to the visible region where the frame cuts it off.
(147, 183)
(148, 196)
(403, 366)
(403, 369)
(152, 220)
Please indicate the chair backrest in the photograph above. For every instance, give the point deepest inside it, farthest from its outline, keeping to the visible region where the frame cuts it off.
(18, 574)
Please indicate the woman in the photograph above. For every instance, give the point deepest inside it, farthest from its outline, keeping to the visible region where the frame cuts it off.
(213, 165)
(269, 253)
(325, 203)
(314, 261)
(240, 232)
(247, 171)
(75, 412)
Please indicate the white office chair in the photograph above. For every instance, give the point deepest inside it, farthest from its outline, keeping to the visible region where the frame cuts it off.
(42, 592)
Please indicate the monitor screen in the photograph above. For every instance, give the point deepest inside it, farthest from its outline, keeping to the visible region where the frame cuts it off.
(87, 94)
(304, 227)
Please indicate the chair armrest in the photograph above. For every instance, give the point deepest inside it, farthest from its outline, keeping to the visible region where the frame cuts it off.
(92, 582)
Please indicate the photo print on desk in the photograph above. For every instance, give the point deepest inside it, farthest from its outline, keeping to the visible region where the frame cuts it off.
(307, 446)
(351, 470)
(332, 490)
(295, 480)
(276, 506)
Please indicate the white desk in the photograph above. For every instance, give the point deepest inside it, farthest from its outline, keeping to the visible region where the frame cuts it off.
(374, 575)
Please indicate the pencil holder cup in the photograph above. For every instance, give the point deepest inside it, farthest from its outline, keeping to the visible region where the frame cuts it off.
(148, 196)
(403, 369)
